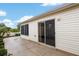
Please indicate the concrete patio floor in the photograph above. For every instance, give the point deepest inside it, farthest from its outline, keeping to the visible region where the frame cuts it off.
(21, 47)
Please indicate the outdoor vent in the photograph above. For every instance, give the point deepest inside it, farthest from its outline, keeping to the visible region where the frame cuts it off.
(58, 19)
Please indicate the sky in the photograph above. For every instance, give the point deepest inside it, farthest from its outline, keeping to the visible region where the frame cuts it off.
(13, 13)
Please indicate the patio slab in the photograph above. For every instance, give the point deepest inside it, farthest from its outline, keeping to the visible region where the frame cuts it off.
(22, 47)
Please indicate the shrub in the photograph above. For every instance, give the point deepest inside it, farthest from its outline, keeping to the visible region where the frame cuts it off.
(1, 43)
(17, 34)
(3, 52)
(1, 40)
(1, 37)
(1, 46)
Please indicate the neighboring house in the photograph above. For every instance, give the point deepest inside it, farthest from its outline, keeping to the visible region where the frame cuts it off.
(58, 28)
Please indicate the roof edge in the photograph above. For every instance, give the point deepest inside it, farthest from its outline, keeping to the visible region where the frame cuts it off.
(65, 6)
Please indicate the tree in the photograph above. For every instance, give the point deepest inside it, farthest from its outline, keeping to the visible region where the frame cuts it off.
(18, 27)
(2, 25)
(15, 30)
(3, 29)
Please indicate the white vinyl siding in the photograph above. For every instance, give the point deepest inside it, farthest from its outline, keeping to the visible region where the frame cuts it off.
(66, 30)
(33, 31)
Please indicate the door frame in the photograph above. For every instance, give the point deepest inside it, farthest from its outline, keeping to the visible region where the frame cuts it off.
(45, 30)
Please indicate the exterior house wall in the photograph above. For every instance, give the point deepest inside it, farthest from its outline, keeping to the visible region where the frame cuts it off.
(24, 36)
(33, 31)
(66, 30)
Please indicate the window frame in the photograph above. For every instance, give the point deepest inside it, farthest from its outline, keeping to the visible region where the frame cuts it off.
(25, 29)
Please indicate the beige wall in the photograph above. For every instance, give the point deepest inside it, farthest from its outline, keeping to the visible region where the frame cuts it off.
(66, 30)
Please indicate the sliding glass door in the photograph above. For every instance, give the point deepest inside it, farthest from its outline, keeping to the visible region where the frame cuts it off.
(41, 32)
(46, 32)
(50, 32)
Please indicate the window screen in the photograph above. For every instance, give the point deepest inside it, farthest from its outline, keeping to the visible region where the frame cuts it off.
(25, 29)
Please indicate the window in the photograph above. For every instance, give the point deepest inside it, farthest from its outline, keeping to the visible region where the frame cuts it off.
(22, 29)
(25, 29)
